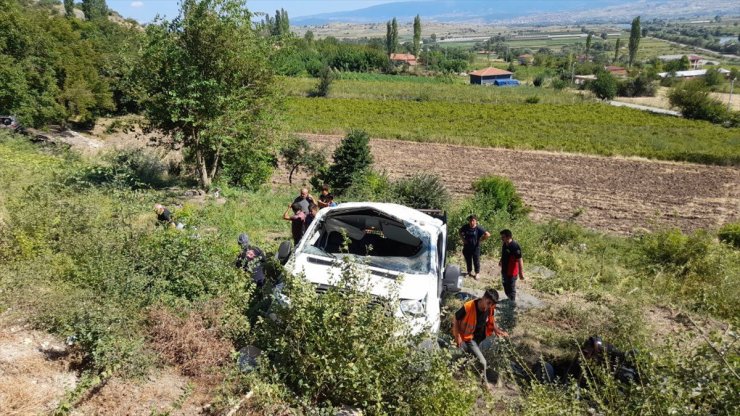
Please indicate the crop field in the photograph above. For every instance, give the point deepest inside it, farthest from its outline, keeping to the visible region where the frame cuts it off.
(580, 128)
(457, 90)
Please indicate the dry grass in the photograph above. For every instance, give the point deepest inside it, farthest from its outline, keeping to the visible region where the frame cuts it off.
(193, 342)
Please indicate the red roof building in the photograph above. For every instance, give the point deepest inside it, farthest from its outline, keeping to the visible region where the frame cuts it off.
(403, 58)
(617, 71)
(489, 72)
(493, 76)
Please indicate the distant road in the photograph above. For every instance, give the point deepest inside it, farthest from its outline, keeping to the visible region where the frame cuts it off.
(646, 108)
(696, 48)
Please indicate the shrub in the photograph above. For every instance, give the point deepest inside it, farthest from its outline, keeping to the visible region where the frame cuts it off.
(559, 84)
(422, 190)
(730, 234)
(370, 186)
(351, 158)
(694, 102)
(499, 194)
(641, 86)
(343, 348)
(604, 86)
(326, 78)
(539, 80)
(532, 100)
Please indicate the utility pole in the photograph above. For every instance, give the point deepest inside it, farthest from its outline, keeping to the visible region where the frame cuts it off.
(729, 100)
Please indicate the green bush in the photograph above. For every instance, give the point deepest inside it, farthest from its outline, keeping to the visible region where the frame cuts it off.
(343, 347)
(352, 158)
(730, 234)
(532, 100)
(695, 102)
(604, 86)
(326, 77)
(539, 80)
(422, 190)
(370, 186)
(499, 194)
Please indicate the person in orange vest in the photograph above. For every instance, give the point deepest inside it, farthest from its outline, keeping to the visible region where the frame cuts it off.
(474, 324)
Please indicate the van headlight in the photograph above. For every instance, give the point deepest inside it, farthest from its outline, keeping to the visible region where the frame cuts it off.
(412, 307)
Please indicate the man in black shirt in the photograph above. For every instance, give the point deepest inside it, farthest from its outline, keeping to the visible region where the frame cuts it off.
(164, 216)
(326, 197)
(250, 259)
(472, 235)
(596, 352)
(511, 264)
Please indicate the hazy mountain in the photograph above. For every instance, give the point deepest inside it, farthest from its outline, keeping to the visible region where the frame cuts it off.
(529, 11)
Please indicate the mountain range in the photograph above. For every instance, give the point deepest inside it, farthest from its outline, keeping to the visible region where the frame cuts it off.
(526, 11)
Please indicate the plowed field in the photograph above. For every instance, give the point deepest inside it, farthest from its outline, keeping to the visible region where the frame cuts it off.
(612, 194)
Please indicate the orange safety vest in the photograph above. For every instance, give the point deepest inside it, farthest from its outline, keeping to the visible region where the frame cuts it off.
(467, 325)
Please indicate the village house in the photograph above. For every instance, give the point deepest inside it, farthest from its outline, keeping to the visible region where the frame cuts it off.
(403, 59)
(493, 76)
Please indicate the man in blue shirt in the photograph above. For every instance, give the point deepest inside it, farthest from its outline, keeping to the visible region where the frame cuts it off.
(472, 235)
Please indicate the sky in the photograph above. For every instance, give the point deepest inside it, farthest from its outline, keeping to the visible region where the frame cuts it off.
(145, 10)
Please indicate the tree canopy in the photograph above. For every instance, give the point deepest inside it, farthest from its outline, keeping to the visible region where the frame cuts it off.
(208, 83)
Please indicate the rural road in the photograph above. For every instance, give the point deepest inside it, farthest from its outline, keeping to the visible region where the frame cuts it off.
(655, 110)
(613, 194)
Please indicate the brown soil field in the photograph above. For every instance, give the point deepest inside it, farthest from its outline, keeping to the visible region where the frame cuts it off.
(617, 195)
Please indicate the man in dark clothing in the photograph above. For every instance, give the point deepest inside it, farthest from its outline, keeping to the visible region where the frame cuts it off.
(251, 259)
(305, 200)
(511, 264)
(596, 352)
(297, 221)
(326, 197)
(474, 324)
(313, 210)
(164, 216)
(472, 235)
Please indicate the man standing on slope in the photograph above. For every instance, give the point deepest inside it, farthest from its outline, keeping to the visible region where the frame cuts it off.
(474, 323)
(511, 264)
(472, 235)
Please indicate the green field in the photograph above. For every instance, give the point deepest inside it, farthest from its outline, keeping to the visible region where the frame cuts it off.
(585, 128)
(456, 90)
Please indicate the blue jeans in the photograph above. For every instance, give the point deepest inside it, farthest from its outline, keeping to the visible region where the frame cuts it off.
(472, 347)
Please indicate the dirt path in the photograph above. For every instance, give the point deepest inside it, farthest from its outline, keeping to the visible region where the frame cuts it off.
(613, 194)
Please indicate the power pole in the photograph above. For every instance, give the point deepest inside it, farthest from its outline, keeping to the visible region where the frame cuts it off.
(729, 100)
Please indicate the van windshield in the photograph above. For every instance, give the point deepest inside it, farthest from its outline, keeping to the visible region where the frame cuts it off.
(373, 238)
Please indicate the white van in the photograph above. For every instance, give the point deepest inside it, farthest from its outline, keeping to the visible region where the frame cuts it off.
(387, 241)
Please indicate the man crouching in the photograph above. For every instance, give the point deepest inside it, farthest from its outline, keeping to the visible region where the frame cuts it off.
(474, 324)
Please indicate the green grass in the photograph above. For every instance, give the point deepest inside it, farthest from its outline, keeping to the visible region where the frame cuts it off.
(86, 260)
(583, 128)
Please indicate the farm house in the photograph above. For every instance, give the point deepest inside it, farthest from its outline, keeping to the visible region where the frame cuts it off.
(493, 76)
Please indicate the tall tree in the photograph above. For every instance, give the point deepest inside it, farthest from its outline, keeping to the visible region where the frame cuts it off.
(284, 22)
(589, 39)
(388, 38)
(69, 8)
(634, 44)
(417, 35)
(394, 33)
(617, 46)
(207, 82)
(94, 9)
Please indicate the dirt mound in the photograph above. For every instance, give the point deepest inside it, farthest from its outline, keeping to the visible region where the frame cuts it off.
(33, 378)
(165, 392)
(609, 193)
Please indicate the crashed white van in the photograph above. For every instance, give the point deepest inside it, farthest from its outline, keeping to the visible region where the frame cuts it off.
(387, 241)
